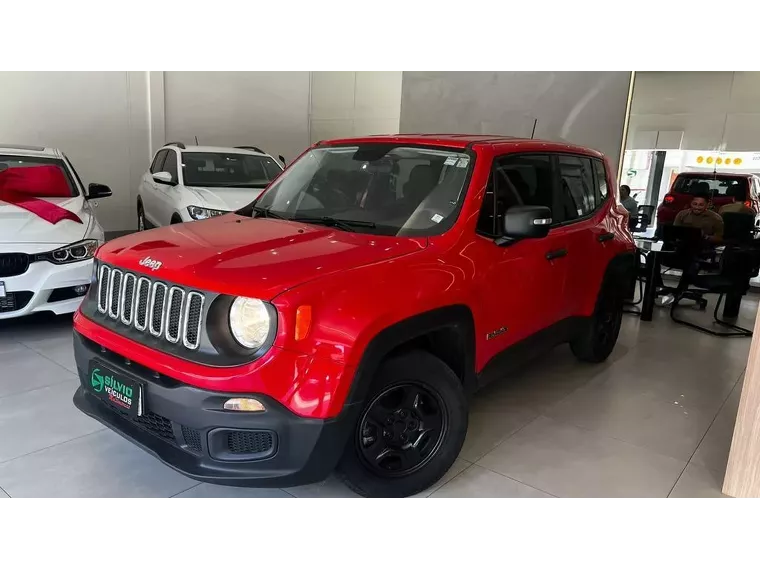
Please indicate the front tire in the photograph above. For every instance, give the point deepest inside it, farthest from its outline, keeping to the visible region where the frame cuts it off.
(410, 430)
(595, 342)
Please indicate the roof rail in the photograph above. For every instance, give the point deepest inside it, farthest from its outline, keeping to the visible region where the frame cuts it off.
(254, 148)
(177, 144)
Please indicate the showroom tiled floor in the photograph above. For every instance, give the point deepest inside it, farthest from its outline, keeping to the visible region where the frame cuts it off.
(654, 420)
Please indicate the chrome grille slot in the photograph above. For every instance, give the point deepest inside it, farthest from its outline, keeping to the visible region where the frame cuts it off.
(127, 302)
(174, 314)
(103, 279)
(141, 304)
(114, 290)
(192, 318)
(166, 311)
(157, 308)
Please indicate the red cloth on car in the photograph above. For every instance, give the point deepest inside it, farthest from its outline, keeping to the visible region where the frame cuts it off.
(23, 187)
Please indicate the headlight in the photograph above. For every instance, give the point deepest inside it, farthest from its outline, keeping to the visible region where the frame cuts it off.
(79, 251)
(197, 212)
(249, 322)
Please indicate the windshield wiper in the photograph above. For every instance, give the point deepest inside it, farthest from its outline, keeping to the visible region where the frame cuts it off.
(344, 224)
(267, 212)
(246, 185)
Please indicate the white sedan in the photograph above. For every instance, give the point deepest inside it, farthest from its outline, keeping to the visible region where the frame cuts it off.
(48, 232)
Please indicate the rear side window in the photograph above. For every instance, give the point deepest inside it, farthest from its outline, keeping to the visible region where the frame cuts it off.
(729, 186)
(578, 196)
(158, 162)
(601, 181)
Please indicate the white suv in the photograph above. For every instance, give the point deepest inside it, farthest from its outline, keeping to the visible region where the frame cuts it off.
(186, 183)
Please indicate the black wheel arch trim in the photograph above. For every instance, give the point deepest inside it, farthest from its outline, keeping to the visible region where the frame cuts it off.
(457, 318)
(621, 269)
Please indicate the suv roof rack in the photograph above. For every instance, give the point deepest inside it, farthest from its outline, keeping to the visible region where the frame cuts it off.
(254, 148)
(177, 144)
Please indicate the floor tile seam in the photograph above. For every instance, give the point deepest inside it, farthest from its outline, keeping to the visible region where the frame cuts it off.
(99, 430)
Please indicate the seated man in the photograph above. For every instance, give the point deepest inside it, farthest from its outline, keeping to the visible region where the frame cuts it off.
(737, 205)
(709, 222)
(628, 202)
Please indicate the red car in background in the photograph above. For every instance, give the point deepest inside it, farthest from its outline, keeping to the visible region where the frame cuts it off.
(723, 188)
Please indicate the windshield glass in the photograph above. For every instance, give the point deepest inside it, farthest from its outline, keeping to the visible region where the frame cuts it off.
(734, 186)
(223, 170)
(8, 161)
(382, 188)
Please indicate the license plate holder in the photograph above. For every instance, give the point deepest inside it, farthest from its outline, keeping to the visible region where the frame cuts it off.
(117, 390)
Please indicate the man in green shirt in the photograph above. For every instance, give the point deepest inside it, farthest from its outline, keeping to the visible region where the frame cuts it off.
(702, 218)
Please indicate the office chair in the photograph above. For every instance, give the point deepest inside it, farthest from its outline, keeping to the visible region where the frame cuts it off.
(738, 265)
(688, 247)
(738, 227)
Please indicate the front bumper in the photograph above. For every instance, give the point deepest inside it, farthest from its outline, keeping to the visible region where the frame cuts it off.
(40, 280)
(187, 429)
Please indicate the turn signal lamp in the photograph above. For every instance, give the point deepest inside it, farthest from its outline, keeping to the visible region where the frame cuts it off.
(244, 404)
(303, 321)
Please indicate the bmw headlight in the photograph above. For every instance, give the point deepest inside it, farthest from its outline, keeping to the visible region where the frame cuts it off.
(79, 251)
(250, 322)
(197, 212)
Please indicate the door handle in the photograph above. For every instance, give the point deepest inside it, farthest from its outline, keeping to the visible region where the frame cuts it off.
(605, 237)
(556, 254)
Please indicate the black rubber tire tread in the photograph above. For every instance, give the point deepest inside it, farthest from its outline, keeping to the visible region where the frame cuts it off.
(425, 368)
(586, 346)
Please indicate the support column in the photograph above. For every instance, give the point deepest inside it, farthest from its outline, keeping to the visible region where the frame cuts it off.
(655, 178)
(743, 472)
(156, 111)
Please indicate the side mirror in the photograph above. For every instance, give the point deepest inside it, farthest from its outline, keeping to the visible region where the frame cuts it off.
(164, 178)
(282, 159)
(525, 222)
(95, 191)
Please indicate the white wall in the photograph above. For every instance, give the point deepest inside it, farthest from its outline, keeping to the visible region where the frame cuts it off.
(696, 110)
(99, 119)
(354, 103)
(268, 109)
(586, 108)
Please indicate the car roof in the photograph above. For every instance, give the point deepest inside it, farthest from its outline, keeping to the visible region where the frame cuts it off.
(226, 149)
(497, 142)
(26, 150)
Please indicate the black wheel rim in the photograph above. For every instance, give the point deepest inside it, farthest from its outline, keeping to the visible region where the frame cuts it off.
(402, 429)
(608, 321)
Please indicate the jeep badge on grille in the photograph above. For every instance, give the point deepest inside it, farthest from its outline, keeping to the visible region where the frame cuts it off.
(152, 264)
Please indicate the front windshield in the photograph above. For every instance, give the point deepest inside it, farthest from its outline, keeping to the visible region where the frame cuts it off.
(224, 170)
(374, 188)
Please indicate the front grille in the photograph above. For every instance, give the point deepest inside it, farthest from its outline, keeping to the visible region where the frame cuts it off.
(151, 306)
(249, 442)
(15, 300)
(192, 438)
(156, 424)
(13, 264)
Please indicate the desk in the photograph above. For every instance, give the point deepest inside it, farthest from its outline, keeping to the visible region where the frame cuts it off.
(652, 250)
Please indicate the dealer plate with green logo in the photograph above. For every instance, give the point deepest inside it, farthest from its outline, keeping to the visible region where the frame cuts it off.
(121, 392)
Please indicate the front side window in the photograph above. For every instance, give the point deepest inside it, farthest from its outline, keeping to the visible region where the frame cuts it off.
(10, 161)
(374, 188)
(158, 162)
(170, 164)
(227, 170)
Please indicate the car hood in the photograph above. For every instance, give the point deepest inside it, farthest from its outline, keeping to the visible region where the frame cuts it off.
(227, 199)
(259, 258)
(19, 226)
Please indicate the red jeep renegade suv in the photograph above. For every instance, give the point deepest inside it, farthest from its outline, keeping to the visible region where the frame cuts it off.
(344, 317)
